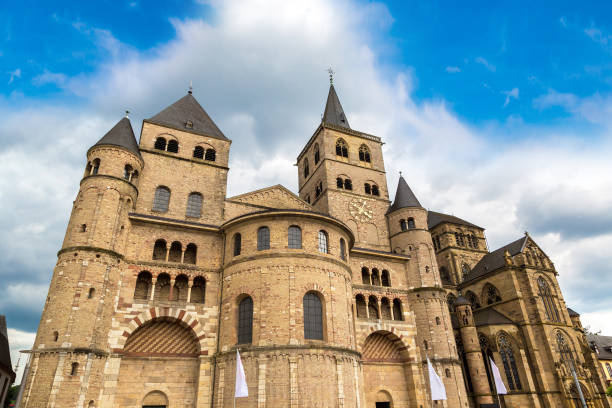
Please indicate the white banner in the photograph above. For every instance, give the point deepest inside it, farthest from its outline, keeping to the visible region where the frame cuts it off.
(241, 389)
(438, 392)
(499, 384)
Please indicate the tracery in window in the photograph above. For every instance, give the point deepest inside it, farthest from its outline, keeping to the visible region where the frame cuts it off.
(509, 363)
(465, 271)
(127, 172)
(473, 299)
(364, 153)
(565, 351)
(550, 307)
(341, 148)
(491, 294)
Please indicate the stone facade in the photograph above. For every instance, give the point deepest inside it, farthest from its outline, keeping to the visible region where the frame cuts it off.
(334, 298)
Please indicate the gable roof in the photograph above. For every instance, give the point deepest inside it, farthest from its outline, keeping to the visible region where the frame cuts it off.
(604, 345)
(572, 312)
(334, 114)
(187, 109)
(489, 317)
(495, 260)
(435, 218)
(404, 197)
(274, 197)
(121, 135)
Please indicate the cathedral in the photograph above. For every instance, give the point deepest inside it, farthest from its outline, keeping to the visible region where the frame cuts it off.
(335, 297)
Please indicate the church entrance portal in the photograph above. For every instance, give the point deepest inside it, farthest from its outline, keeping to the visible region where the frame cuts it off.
(383, 405)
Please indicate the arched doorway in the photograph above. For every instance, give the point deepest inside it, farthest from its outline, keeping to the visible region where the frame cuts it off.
(161, 355)
(383, 399)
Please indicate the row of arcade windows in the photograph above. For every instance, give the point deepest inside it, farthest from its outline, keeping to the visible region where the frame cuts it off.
(172, 146)
(165, 288)
(372, 309)
(313, 318)
(129, 174)
(294, 241)
(405, 225)
(161, 202)
(374, 278)
(342, 151)
(461, 239)
(175, 253)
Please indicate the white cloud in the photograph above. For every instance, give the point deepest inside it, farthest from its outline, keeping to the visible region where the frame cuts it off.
(19, 341)
(512, 94)
(48, 77)
(453, 70)
(563, 21)
(485, 63)
(258, 69)
(14, 74)
(599, 36)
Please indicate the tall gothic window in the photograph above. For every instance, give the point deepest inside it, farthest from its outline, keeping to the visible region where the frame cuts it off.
(263, 238)
(364, 154)
(491, 295)
(465, 271)
(237, 244)
(473, 299)
(313, 316)
(323, 246)
(295, 237)
(341, 148)
(509, 362)
(565, 351)
(194, 205)
(317, 155)
(547, 298)
(245, 321)
(161, 200)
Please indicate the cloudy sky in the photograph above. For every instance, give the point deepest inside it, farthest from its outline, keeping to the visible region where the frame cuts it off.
(502, 116)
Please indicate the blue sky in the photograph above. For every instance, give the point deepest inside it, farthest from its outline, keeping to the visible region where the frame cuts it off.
(498, 113)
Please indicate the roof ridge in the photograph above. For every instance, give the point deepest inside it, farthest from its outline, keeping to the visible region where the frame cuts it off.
(334, 114)
(122, 135)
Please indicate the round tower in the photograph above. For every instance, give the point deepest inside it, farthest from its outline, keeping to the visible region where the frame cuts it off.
(473, 355)
(72, 338)
(409, 234)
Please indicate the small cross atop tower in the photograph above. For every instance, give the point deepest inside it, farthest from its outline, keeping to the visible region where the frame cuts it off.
(331, 73)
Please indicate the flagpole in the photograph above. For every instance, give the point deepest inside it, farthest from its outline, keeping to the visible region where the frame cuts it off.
(235, 377)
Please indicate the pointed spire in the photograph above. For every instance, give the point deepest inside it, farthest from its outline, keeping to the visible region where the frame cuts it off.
(187, 114)
(404, 197)
(121, 135)
(334, 114)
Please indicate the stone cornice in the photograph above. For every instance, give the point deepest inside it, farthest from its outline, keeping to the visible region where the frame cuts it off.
(190, 160)
(155, 219)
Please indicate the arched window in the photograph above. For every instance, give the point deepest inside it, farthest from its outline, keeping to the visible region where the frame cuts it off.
(473, 299)
(179, 291)
(397, 310)
(341, 148)
(385, 309)
(487, 354)
(211, 155)
(509, 363)
(375, 277)
(92, 292)
(161, 199)
(245, 321)
(198, 152)
(411, 224)
(96, 166)
(365, 276)
(364, 153)
(465, 271)
(143, 286)
(491, 294)
(162, 287)
(173, 146)
(609, 368)
(445, 276)
(342, 249)
(176, 250)
(323, 246)
(313, 316)
(237, 244)
(384, 278)
(373, 307)
(361, 306)
(375, 191)
(547, 298)
(450, 299)
(348, 185)
(565, 351)
(294, 237)
(403, 225)
(191, 254)
(194, 205)
(306, 169)
(74, 369)
(127, 172)
(317, 155)
(339, 182)
(263, 238)
(159, 250)
(198, 290)
(367, 188)
(160, 143)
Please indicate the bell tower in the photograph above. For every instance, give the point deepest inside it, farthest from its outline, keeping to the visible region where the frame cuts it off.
(342, 174)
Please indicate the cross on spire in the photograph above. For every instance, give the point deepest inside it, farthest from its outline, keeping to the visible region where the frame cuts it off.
(190, 91)
(331, 73)
(127, 113)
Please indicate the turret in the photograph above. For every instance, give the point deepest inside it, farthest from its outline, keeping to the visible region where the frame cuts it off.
(408, 233)
(473, 354)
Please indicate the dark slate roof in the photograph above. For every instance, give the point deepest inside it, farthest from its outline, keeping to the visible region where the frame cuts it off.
(604, 345)
(404, 197)
(187, 109)
(121, 135)
(334, 114)
(495, 260)
(572, 312)
(435, 218)
(5, 351)
(488, 317)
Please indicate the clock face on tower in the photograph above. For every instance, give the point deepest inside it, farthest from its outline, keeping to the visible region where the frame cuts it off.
(360, 210)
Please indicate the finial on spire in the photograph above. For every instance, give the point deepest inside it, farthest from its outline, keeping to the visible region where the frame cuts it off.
(190, 91)
(400, 173)
(331, 73)
(127, 113)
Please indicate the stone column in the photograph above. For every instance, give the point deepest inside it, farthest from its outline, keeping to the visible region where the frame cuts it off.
(153, 283)
(172, 280)
(189, 286)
